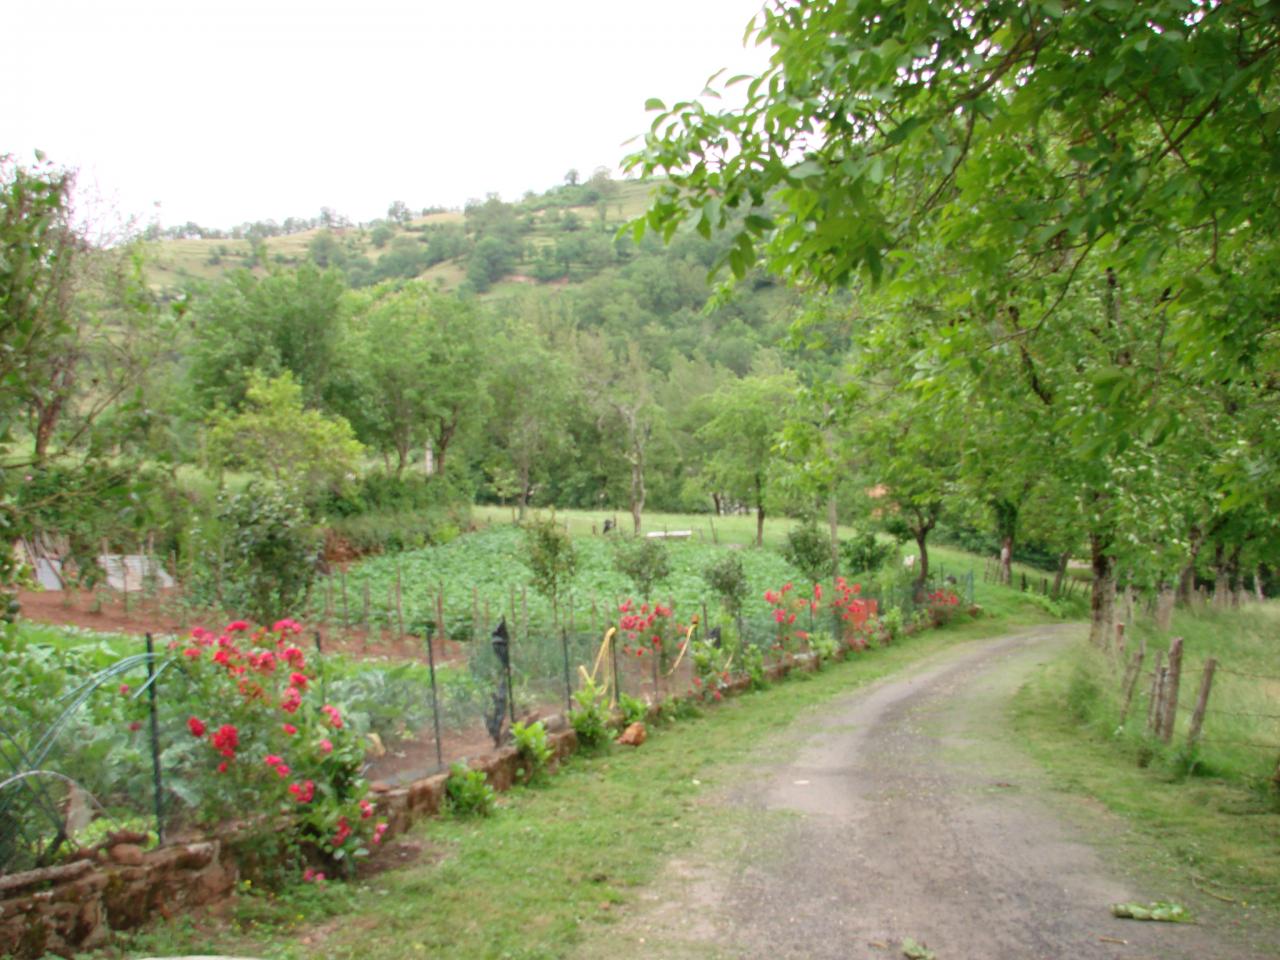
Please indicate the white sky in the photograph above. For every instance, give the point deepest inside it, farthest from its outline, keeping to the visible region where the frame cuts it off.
(236, 110)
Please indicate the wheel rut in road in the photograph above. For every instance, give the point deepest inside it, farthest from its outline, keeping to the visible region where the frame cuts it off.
(908, 812)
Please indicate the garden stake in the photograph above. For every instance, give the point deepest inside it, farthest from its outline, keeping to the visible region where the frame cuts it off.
(435, 698)
(440, 615)
(524, 611)
(346, 620)
(568, 683)
(320, 653)
(617, 678)
(156, 783)
(365, 619)
(399, 604)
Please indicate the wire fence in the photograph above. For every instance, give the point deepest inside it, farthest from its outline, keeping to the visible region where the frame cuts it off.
(1178, 715)
(99, 746)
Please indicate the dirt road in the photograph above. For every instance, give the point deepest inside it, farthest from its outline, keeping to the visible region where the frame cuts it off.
(907, 811)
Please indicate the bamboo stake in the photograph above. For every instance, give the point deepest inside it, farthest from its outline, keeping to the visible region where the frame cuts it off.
(1202, 703)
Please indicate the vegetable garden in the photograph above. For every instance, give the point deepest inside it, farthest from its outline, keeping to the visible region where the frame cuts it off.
(241, 731)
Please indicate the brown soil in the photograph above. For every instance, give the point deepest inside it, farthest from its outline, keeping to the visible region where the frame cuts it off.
(162, 614)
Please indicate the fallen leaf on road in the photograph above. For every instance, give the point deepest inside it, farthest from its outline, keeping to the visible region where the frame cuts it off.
(917, 951)
(1158, 910)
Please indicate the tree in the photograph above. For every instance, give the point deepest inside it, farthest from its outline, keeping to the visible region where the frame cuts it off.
(618, 389)
(37, 272)
(1107, 229)
(287, 321)
(746, 420)
(531, 392)
(275, 437)
(422, 390)
(398, 212)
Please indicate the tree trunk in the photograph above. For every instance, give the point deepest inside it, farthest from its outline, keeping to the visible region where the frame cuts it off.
(1006, 512)
(1102, 598)
(1187, 579)
(759, 511)
(1221, 584)
(1257, 584)
(833, 523)
(522, 501)
(1058, 578)
(922, 535)
(402, 458)
(718, 502)
(637, 491)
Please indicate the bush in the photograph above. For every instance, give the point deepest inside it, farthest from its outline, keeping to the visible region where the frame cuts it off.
(645, 562)
(729, 581)
(590, 720)
(808, 549)
(531, 745)
(269, 554)
(863, 553)
(467, 793)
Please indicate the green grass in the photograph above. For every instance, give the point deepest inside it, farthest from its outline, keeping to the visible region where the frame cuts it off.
(558, 864)
(1212, 831)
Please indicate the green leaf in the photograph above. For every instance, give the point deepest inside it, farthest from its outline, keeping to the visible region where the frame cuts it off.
(653, 103)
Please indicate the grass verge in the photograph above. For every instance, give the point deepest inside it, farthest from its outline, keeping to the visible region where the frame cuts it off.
(1198, 837)
(558, 863)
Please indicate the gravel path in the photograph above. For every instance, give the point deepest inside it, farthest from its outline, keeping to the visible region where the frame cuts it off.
(907, 812)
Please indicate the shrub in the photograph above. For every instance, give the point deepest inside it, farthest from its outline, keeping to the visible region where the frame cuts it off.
(863, 553)
(645, 562)
(269, 554)
(261, 746)
(590, 720)
(633, 709)
(808, 549)
(467, 793)
(729, 581)
(531, 745)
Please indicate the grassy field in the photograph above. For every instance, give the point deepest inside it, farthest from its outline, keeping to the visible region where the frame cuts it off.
(557, 864)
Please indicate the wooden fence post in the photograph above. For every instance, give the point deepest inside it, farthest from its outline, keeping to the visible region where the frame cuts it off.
(399, 603)
(1153, 701)
(346, 610)
(1170, 692)
(1202, 703)
(1131, 676)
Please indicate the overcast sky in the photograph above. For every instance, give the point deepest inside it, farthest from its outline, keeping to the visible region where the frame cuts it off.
(222, 112)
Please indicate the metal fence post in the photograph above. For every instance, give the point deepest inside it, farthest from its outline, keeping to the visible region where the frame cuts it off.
(435, 695)
(156, 782)
(568, 684)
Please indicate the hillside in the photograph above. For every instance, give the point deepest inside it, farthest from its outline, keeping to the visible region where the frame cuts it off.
(566, 234)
